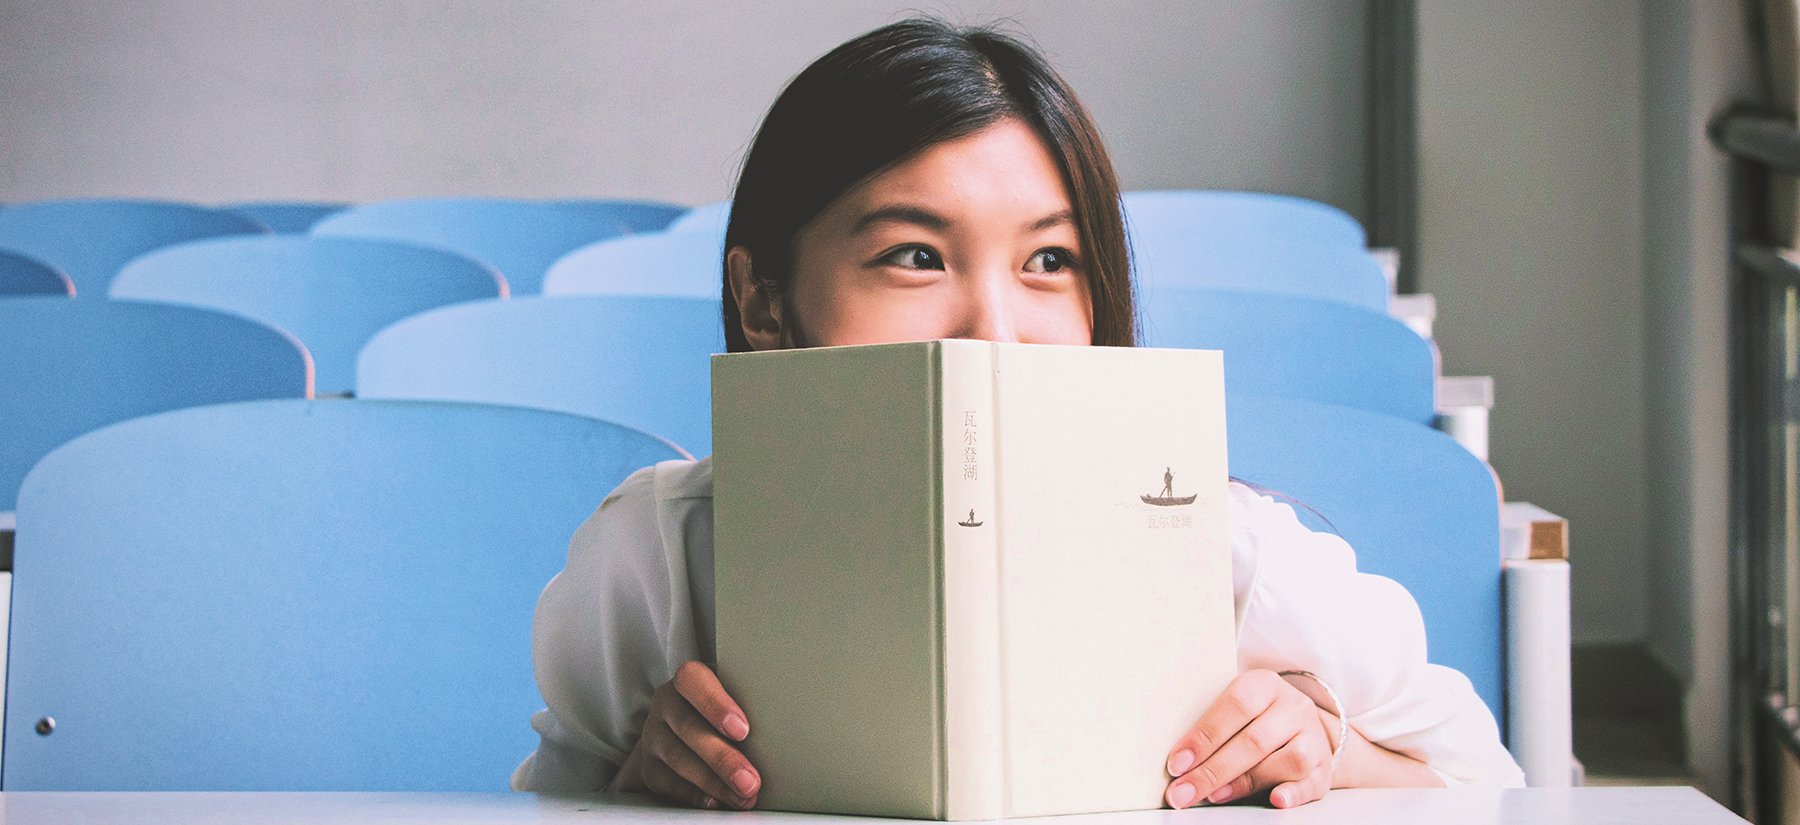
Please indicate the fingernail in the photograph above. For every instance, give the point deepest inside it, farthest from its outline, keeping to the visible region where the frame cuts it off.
(1180, 762)
(709, 802)
(1181, 795)
(1280, 799)
(744, 781)
(736, 727)
(1220, 795)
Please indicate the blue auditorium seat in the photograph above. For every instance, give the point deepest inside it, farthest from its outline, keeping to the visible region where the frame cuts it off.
(637, 215)
(1238, 216)
(1250, 242)
(709, 218)
(1414, 505)
(287, 217)
(687, 264)
(640, 361)
(68, 367)
(20, 275)
(1301, 348)
(331, 293)
(295, 595)
(90, 240)
(519, 238)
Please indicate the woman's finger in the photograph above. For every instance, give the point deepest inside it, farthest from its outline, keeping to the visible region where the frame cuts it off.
(1246, 698)
(1236, 789)
(664, 782)
(1300, 791)
(700, 687)
(1303, 759)
(726, 763)
(1229, 773)
(675, 755)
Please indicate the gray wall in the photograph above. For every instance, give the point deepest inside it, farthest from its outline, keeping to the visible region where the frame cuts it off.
(1530, 147)
(344, 99)
(1696, 65)
(1573, 226)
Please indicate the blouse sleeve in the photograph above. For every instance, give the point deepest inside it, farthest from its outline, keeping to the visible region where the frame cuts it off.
(1308, 608)
(610, 628)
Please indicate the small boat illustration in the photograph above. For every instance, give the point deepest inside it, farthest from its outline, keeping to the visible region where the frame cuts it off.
(971, 522)
(1166, 497)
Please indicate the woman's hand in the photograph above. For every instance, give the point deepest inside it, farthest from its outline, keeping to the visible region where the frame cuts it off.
(685, 753)
(1262, 734)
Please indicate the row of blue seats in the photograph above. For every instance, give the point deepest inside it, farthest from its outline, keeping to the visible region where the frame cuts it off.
(299, 217)
(337, 595)
(80, 365)
(335, 292)
(1402, 491)
(641, 361)
(1234, 240)
(91, 240)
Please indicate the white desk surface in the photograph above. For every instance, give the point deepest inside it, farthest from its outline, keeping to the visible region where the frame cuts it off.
(1460, 806)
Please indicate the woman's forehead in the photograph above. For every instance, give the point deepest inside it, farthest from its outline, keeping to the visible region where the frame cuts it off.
(1004, 168)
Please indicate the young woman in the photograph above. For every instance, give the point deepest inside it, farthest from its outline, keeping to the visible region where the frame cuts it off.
(925, 182)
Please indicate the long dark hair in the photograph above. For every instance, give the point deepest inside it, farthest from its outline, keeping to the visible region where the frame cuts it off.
(889, 94)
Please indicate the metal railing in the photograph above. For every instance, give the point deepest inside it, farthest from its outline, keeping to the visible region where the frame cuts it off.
(1765, 434)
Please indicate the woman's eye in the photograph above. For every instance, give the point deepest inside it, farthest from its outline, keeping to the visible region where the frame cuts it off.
(1050, 260)
(913, 257)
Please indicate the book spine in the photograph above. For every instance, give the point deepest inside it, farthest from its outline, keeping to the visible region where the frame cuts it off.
(974, 760)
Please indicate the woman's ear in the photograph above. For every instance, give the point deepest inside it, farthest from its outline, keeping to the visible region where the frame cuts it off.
(759, 316)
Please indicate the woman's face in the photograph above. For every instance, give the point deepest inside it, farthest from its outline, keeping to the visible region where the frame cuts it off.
(971, 238)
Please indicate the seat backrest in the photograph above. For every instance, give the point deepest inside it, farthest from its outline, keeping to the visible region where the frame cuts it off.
(1235, 216)
(707, 218)
(287, 217)
(686, 264)
(333, 294)
(295, 595)
(1415, 506)
(636, 215)
(20, 275)
(1302, 348)
(1174, 262)
(68, 367)
(90, 240)
(640, 361)
(1253, 242)
(519, 238)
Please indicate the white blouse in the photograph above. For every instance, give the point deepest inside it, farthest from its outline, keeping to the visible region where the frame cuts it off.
(635, 601)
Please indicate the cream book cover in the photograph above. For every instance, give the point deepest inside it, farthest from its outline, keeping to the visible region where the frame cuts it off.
(970, 580)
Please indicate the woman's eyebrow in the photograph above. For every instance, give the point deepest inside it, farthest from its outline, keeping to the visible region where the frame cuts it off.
(901, 213)
(1052, 219)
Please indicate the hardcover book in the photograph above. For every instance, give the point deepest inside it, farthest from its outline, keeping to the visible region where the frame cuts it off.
(970, 580)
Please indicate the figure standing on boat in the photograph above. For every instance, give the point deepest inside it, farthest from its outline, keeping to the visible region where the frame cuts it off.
(1167, 497)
